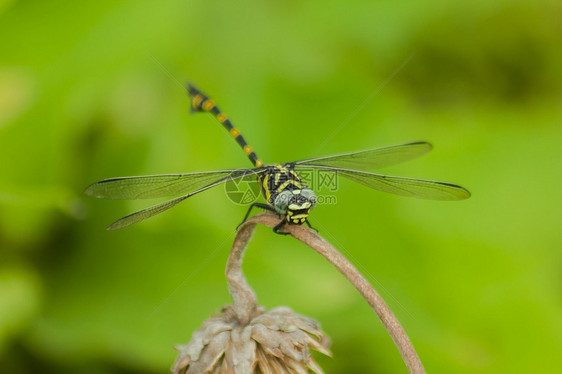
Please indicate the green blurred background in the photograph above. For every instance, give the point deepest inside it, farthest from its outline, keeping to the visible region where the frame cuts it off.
(477, 284)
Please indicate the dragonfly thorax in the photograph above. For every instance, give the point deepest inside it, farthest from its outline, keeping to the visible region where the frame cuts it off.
(295, 204)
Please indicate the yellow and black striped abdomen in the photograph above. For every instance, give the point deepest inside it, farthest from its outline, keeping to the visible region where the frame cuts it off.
(201, 103)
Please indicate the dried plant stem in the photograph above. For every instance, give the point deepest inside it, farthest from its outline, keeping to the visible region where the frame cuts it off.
(245, 301)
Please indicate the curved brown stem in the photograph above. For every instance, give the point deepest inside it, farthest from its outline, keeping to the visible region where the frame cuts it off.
(244, 299)
(242, 293)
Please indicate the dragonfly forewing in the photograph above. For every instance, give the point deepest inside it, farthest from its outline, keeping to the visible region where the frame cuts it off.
(371, 159)
(154, 186)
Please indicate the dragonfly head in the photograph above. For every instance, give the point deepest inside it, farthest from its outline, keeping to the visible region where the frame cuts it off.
(295, 205)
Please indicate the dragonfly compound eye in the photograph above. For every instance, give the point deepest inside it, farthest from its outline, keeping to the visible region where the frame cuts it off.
(282, 201)
(309, 195)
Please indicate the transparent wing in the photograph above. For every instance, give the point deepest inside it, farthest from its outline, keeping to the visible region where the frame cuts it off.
(143, 214)
(154, 186)
(371, 159)
(151, 186)
(412, 187)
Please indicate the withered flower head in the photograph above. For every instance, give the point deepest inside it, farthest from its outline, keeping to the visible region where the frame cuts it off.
(277, 341)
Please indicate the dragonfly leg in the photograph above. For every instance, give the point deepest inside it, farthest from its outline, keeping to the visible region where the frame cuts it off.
(279, 226)
(309, 225)
(259, 205)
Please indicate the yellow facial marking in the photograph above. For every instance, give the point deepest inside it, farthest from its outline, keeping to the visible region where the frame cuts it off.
(221, 117)
(298, 216)
(247, 149)
(299, 219)
(304, 205)
(207, 105)
(234, 133)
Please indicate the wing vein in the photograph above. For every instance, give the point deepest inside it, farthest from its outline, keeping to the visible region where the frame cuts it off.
(403, 186)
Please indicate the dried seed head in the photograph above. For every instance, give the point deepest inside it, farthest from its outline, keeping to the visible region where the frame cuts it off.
(278, 341)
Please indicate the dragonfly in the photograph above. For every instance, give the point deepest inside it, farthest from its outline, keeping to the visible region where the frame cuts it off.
(281, 185)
